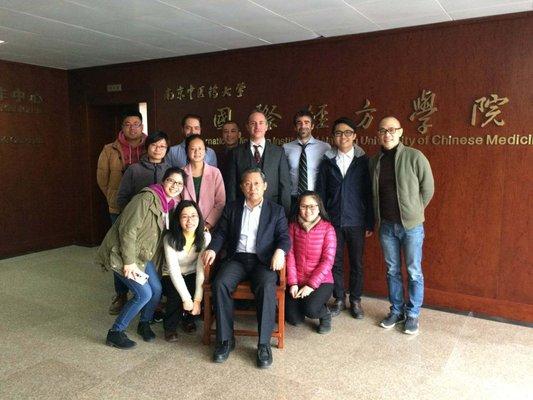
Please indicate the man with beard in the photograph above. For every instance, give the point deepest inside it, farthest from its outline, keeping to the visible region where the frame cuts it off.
(304, 155)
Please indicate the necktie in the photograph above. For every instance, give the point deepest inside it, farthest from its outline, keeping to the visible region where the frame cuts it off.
(257, 155)
(302, 170)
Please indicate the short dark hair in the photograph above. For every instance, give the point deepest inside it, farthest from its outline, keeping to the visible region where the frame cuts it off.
(155, 137)
(253, 170)
(175, 236)
(344, 120)
(321, 209)
(190, 138)
(230, 121)
(187, 116)
(131, 113)
(303, 113)
(174, 170)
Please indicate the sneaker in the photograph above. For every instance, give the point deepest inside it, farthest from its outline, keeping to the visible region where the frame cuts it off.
(119, 340)
(145, 331)
(411, 326)
(391, 320)
(158, 317)
(117, 303)
(336, 307)
(325, 324)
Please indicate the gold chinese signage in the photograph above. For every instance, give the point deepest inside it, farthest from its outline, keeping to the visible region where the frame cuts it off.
(17, 100)
(189, 92)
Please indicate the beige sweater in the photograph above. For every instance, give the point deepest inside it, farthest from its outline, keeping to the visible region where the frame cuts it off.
(181, 263)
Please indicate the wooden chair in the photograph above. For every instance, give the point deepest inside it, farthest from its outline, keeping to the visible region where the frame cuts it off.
(244, 292)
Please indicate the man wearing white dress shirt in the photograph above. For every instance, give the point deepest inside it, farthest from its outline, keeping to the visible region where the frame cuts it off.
(255, 234)
(304, 155)
(343, 183)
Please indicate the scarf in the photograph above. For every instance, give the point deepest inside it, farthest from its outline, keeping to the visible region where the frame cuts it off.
(307, 226)
(166, 204)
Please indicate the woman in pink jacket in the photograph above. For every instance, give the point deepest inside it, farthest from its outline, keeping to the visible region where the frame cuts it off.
(204, 185)
(309, 263)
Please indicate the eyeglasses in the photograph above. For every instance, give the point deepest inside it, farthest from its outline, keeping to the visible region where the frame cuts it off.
(128, 125)
(310, 207)
(172, 182)
(348, 133)
(160, 147)
(188, 217)
(384, 131)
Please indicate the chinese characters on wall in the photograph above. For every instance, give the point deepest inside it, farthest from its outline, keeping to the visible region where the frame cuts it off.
(17, 100)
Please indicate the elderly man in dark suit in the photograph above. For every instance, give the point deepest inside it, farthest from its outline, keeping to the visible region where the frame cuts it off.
(258, 152)
(255, 234)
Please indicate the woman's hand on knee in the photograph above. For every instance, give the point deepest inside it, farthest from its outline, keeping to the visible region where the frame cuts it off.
(188, 305)
(197, 307)
(293, 290)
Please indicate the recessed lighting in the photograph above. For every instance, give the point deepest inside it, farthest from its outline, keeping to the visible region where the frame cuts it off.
(1, 41)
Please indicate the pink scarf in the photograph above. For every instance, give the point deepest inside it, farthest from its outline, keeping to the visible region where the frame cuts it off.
(160, 191)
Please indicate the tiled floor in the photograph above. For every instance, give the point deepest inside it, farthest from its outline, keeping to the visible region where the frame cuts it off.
(54, 321)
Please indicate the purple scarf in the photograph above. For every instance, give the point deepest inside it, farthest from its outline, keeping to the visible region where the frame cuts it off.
(167, 205)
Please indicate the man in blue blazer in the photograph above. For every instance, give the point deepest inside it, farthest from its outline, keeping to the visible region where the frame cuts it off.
(255, 234)
(258, 152)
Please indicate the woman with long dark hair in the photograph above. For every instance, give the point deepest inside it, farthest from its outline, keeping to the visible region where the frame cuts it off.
(183, 270)
(309, 263)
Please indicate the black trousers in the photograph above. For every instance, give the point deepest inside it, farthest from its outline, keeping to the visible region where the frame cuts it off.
(354, 238)
(263, 280)
(312, 306)
(174, 307)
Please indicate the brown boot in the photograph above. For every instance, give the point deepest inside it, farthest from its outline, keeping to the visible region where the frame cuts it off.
(118, 302)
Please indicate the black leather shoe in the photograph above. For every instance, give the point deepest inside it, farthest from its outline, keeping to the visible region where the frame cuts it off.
(119, 340)
(336, 307)
(356, 310)
(324, 325)
(145, 331)
(222, 350)
(264, 355)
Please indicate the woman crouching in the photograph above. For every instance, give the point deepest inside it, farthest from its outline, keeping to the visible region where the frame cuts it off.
(309, 263)
(183, 271)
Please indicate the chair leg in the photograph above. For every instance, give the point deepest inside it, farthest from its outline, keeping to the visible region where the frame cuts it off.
(281, 320)
(207, 319)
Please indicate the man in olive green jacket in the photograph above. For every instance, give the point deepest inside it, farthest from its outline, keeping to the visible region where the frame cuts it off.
(402, 187)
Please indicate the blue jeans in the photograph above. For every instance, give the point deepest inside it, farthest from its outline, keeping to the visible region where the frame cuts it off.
(394, 239)
(145, 298)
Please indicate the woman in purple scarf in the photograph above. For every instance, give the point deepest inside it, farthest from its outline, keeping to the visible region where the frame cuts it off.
(129, 248)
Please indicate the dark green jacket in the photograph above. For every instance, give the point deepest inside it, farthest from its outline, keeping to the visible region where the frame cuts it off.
(135, 236)
(414, 184)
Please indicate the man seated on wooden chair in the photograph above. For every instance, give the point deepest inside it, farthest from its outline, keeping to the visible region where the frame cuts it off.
(256, 237)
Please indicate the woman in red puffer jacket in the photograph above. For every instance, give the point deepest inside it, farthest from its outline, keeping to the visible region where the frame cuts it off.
(309, 263)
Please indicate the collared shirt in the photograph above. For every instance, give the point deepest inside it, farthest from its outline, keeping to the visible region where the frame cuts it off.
(315, 150)
(249, 226)
(261, 147)
(177, 156)
(344, 160)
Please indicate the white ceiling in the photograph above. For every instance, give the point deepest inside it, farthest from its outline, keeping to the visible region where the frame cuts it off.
(70, 34)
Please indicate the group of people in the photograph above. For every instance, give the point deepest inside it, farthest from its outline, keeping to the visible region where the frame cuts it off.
(252, 211)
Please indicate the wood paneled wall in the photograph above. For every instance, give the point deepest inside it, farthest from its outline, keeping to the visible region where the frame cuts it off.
(37, 208)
